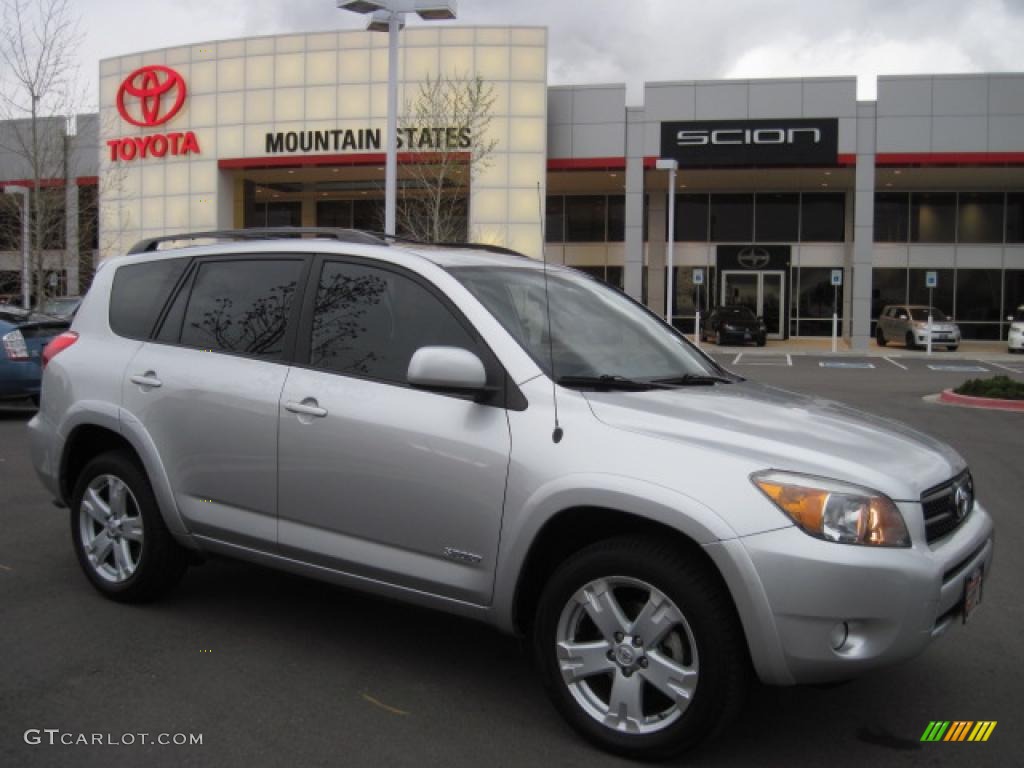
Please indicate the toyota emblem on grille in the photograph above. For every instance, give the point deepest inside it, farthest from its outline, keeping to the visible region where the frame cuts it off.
(753, 258)
(962, 499)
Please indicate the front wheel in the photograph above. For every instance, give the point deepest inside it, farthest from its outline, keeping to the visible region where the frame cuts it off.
(120, 538)
(640, 647)
(910, 341)
(880, 337)
(953, 347)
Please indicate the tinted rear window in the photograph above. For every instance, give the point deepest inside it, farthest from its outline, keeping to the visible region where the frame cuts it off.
(139, 293)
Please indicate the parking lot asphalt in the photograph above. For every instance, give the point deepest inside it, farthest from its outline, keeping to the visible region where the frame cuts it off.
(274, 669)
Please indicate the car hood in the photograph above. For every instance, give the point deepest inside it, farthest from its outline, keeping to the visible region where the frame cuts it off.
(773, 428)
(751, 324)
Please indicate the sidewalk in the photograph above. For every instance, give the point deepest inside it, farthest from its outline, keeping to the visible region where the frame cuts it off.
(969, 350)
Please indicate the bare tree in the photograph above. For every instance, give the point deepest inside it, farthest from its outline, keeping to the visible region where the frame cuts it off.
(39, 41)
(447, 122)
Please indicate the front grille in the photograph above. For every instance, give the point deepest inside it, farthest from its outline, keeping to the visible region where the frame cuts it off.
(940, 509)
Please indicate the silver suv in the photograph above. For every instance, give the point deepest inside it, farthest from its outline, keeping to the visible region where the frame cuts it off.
(470, 431)
(908, 324)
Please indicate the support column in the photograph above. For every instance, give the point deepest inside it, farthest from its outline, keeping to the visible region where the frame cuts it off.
(634, 265)
(71, 235)
(656, 252)
(863, 228)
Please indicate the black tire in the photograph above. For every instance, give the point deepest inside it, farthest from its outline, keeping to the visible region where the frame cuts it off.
(953, 347)
(701, 598)
(910, 341)
(718, 338)
(161, 561)
(880, 337)
(762, 341)
(35, 401)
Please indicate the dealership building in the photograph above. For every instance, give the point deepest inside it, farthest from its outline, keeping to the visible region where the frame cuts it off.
(784, 186)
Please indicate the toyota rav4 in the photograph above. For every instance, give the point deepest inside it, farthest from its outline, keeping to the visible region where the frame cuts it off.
(521, 444)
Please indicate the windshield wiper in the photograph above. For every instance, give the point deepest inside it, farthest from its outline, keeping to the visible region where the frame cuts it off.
(690, 379)
(608, 381)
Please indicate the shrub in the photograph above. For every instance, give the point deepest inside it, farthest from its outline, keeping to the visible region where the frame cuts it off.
(1001, 387)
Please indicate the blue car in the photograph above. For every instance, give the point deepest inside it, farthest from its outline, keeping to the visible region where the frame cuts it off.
(23, 335)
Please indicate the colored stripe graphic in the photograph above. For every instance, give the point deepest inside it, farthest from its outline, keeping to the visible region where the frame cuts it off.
(935, 730)
(958, 730)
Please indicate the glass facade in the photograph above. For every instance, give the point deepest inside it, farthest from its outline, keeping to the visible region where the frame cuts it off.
(765, 217)
(949, 217)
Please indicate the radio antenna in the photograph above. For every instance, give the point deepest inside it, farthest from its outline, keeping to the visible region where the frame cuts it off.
(556, 435)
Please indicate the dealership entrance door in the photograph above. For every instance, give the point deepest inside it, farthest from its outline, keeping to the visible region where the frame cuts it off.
(763, 292)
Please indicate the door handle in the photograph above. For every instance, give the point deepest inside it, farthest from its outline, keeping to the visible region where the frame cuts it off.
(307, 407)
(147, 379)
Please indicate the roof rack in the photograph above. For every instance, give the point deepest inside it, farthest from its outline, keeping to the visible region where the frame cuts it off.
(151, 244)
(474, 246)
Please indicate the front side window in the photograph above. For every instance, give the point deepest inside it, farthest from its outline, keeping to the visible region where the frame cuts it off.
(594, 330)
(242, 306)
(368, 322)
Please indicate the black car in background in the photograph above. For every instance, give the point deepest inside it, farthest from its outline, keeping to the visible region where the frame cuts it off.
(734, 324)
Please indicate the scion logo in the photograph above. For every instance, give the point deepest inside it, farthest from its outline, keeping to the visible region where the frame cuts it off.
(748, 136)
(751, 143)
(753, 257)
(157, 94)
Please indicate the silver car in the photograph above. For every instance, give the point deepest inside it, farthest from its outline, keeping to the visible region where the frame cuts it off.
(908, 324)
(470, 431)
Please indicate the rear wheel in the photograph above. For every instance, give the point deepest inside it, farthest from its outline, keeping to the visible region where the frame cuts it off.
(953, 347)
(640, 648)
(880, 337)
(120, 538)
(910, 341)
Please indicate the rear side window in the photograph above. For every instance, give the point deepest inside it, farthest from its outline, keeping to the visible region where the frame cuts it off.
(139, 293)
(242, 306)
(369, 322)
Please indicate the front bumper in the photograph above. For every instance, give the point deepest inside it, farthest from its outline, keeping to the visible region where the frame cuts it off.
(793, 590)
(938, 337)
(1015, 341)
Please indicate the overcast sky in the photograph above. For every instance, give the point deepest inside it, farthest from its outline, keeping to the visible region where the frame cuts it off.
(600, 41)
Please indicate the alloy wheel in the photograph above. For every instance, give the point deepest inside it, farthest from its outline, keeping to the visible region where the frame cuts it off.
(110, 524)
(627, 655)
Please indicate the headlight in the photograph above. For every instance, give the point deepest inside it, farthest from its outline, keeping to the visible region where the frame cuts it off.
(835, 511)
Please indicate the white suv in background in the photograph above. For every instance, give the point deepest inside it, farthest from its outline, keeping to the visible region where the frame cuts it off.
(1015, 341)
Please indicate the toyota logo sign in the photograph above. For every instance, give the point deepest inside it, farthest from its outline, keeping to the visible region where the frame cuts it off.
(753, 258)
(157, 94)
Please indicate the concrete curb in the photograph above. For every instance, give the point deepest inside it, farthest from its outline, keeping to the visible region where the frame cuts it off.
(950, 397)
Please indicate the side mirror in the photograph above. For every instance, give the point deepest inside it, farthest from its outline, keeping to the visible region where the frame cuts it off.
(447, 369)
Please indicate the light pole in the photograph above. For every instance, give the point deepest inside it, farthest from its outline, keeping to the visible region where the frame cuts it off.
(389, 16)
(670, 165)
(26, 274)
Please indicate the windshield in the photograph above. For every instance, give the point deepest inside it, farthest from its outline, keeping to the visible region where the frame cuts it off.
(737, 313)
(920, 314)
(598, 331)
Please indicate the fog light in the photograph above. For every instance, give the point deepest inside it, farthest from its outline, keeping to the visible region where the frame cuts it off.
(839, 634)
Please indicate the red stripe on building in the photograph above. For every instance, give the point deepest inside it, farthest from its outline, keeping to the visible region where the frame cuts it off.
(587, 164)
(313, 161)
(949, 158)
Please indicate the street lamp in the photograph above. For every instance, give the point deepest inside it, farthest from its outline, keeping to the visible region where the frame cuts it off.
(670, 165)
(389, 16)
(26, 275)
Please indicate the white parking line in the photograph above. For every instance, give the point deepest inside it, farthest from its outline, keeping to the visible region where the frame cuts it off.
(895, 363)
(1006, 368)
(737, 358)
(789, 361)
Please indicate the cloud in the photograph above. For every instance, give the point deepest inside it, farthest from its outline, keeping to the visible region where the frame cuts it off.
(594, 41)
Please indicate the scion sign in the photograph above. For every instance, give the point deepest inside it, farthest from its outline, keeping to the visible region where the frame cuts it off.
(710, 143)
